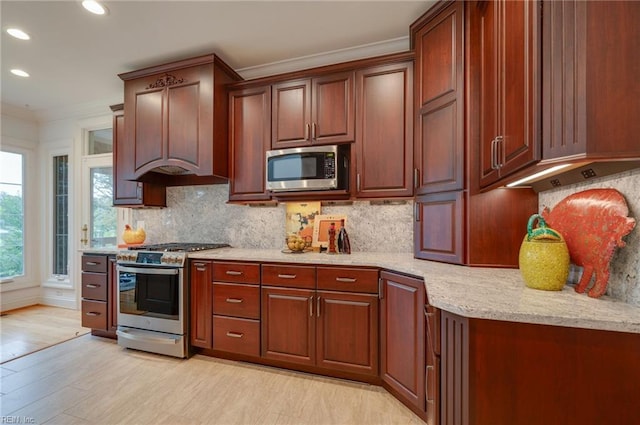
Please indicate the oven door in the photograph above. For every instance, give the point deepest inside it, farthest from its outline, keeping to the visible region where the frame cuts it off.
(151, 298)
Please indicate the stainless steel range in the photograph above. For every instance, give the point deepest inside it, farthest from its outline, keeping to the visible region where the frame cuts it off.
(153, 297)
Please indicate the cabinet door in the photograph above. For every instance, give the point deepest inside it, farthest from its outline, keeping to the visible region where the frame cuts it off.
(291, 114)
(201, 304)
(384, 137)
(439, 91)
(288, 325)
(175, 108)
(250, 138)
(439, 227)
(130, 193)
(332, 110)
(347, 326)
(507, 86)
(402, 334)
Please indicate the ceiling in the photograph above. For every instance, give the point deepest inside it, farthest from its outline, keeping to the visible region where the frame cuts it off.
(75, 57)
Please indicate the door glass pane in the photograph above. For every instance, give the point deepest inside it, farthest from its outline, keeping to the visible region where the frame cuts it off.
(104, 216)
(100, 141)
(60, 215)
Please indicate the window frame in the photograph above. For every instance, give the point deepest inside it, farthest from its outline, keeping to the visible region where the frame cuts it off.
(30, 176)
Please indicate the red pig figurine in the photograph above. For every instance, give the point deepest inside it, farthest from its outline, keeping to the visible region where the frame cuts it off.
(593, 223)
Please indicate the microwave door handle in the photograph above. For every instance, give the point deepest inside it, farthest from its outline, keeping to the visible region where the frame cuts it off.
(148, 271)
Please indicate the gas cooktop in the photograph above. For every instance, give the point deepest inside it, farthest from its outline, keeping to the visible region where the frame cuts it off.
(179, 247)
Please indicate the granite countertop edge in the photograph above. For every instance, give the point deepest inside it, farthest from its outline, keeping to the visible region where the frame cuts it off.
(473, 292)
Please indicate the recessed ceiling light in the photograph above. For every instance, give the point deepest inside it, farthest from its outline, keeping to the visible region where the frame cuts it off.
(19, 73)
(18, 33)
(94, 7)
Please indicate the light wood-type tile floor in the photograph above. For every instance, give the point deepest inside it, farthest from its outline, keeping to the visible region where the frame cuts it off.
(92, 380)
(29, 329)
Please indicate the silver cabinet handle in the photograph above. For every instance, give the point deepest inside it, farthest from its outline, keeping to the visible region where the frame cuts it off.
(380, 289)
(233, 273)
(287, 276)
(416, 178)
(311, 306)
(426, 383)
(201, 269)
(499, 151)
(92, 313)
(416, 211)
(91, 285)
(235, 300)
(235, 334)
(493, 155)
(313, 130)
(91, 263)
(345, 279)
(306, 132)
(358, 182)
(318, 307)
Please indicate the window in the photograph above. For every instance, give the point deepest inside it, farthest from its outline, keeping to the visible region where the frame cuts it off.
(61, 215)
(11, 215)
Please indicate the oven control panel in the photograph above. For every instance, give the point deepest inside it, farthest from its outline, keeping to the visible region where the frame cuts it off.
(170, 259)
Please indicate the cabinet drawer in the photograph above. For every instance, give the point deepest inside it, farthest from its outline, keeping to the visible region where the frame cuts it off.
(240, 336)
(348, 279)
(236, 272)
(94, 263)
(94, 286)
(233, 299)
(289, 276)
(94, 314)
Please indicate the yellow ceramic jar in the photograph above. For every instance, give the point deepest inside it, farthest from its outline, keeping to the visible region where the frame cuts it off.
(544, 257)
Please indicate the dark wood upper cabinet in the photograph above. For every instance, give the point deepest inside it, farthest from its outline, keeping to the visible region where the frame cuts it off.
(177, 119)
(384, 131)
(504, 52)
(317, 110)
(128, 193)
(439, 90)
(249, 139)
(591, 88)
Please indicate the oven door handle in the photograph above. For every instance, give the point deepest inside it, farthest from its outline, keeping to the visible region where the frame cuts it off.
(148, 270)
(141, 338)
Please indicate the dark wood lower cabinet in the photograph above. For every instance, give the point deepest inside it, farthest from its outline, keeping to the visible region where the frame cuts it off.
(505, 373)
(201, 276)
(100, 294)
(402, 338)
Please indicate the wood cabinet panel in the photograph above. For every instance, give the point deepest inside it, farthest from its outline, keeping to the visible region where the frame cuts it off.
(402, 337)
(291, 113)
(439, 227)
(250, 138)
(236, 272)
(384, 136)
(201, 303)
(288, 325)
(94, 286)
(289, 276)
(347, 327)
(236, 335)
(348, 279)
(233, 299)
(112, 299)
(94, 314)
(439, 88)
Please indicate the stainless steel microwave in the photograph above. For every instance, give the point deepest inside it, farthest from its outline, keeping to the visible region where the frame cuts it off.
(308, 168)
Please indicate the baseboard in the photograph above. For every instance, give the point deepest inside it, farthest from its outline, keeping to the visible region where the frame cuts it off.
(12, 300)
(69, 303)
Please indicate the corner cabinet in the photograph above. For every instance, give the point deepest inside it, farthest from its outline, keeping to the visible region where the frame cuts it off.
(384, 131)
(249, 139)
(402, 338)
(317, 110)
(591, 89)
(177, 118)
(128, 193)
(504, 52)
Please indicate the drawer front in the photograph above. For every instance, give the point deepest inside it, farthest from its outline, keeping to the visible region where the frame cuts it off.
(289, 276)
(233, 299)
(95, 263)
(236, 272)
(348, 279)
(240, 336)
(94, 314)
(94, 286)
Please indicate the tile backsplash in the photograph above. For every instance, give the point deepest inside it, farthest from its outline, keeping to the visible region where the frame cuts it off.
(624, 282)
(202, 214)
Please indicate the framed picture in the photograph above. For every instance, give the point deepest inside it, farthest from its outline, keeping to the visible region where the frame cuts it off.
(321, 228)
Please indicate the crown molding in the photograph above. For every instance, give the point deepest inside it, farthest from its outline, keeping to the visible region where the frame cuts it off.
(395, 45)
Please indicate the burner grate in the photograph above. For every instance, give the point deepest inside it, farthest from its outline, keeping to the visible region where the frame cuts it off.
(179, 247)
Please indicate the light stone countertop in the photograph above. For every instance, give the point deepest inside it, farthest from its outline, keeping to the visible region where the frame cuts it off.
(474, 292)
